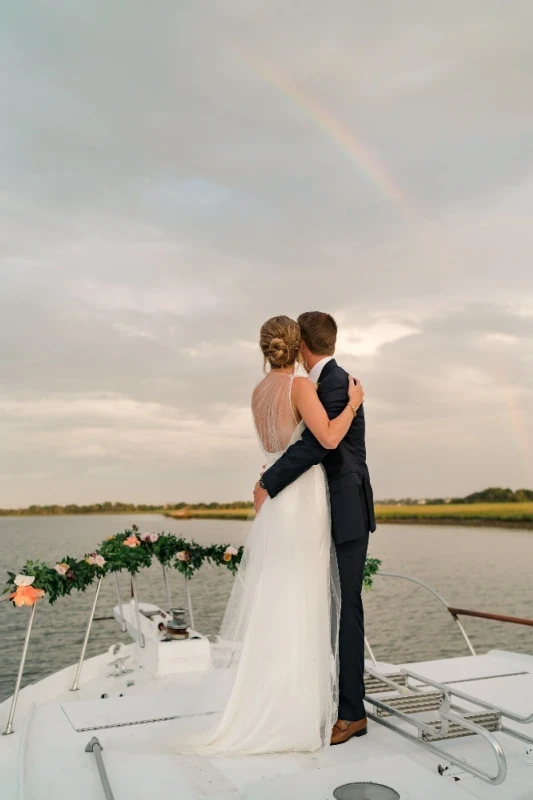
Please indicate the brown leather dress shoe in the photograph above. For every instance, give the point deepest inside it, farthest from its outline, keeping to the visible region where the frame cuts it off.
(344, 730)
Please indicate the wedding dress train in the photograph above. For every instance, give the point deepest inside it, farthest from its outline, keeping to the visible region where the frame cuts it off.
(278, 638)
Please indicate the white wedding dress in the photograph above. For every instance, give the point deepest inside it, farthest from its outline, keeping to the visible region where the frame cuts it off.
(278, 639)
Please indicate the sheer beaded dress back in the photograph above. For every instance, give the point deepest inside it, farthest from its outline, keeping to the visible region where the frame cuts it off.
(275, 420)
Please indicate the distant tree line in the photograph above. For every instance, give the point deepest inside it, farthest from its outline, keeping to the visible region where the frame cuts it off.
(491, 495)
(497, 495)
(114, 508)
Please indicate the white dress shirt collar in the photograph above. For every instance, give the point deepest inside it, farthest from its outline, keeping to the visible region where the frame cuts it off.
(315, 372)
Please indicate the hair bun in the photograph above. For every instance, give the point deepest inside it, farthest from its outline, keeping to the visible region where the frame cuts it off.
(280, 341)
(278, 352)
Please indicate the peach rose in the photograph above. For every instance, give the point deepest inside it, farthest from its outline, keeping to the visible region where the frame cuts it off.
(62, 568)
(183, 556)
(132, 541)
(26, 596)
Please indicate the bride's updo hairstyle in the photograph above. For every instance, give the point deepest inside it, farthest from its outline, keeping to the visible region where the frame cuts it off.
(279, 340)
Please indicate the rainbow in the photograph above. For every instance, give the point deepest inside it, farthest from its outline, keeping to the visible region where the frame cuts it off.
(360, 155)
(518, 422)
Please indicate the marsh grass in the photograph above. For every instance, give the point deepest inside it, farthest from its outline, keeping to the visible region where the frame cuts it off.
(515, 514)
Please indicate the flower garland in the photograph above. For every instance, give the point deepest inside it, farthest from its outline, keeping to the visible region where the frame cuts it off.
(129, 551)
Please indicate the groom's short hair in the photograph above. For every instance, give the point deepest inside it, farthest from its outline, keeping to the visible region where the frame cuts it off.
(319, 332)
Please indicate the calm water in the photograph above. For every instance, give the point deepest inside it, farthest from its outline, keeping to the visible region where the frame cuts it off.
(488, 569)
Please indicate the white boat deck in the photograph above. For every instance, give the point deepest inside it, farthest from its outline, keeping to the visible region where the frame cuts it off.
(45, 758)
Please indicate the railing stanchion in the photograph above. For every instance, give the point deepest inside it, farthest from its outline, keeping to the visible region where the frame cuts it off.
(189, 602)
(165, 576)
(137, 612)
(9, 726)
(122, 620)
(372, 656)
(466, 638)
(75, 685)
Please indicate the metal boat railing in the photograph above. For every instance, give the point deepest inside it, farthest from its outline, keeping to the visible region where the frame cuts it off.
(464, 612)
(75, 685)
(453, 721)
(439, 597)
(455, 613)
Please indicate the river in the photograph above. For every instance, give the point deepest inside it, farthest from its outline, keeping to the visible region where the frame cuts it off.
(482, 568)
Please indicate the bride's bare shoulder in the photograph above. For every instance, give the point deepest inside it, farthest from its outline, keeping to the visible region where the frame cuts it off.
(301, 384)
(302, 388)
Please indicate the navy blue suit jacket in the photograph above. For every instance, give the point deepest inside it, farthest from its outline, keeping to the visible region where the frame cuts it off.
(346, 468)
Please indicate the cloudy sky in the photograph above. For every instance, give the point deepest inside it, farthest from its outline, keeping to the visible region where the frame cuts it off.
(174, 173)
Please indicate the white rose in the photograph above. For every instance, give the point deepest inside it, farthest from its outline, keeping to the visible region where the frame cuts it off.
(24, 580)
(232, 551)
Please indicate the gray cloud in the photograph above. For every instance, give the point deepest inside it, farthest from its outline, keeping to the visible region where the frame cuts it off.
(173, 176)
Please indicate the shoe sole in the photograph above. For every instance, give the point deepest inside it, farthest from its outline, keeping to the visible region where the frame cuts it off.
(362, 732)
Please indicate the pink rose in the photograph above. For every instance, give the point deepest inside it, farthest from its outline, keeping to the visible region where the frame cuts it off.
(95, 560)
(149, 537)
(62, 568)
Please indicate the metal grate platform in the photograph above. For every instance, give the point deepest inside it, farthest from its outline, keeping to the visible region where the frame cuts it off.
(414, 704)
(374, 685)
(490, 722)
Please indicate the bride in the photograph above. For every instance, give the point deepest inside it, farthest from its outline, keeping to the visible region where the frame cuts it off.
(278, 639)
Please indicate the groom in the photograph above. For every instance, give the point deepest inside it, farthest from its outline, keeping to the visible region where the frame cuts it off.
(352, 509)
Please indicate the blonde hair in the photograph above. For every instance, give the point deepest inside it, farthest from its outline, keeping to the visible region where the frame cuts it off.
(279, 340)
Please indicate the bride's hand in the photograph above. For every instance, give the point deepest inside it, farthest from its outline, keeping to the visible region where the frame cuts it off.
(356, 394)
(260, 495)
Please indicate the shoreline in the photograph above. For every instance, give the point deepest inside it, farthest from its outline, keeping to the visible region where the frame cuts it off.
(513, 516)
(159, 512)
(386, 519)
(475, 522)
